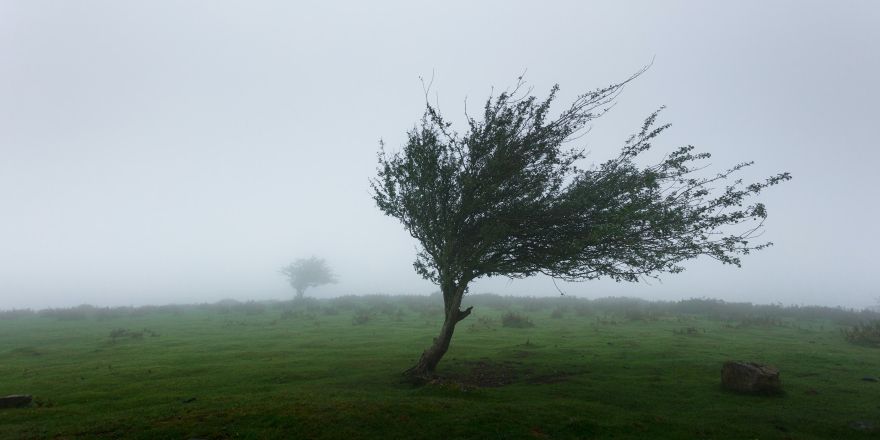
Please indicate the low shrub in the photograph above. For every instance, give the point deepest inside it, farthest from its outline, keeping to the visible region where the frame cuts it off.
(515, 320)
(107, 313)
(121, 333)
(686, 331)
(16, 313)
(865, 333)
(399, 314)
(639, 315)
(482, 323)
(361, 317)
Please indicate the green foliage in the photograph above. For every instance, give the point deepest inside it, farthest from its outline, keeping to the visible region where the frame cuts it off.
(686, 331)
(361, 317)
(483, 323)
(69, 314)
(124, 333)
(15, 314)
(505, 197)
(308, 272)
(866, 333)
(515, 320)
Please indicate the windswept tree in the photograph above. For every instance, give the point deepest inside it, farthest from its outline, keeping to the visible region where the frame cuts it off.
(308, 272)
(508, 197)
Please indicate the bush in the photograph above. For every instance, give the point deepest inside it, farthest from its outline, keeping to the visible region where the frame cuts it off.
(557, 313)
(399, 314)
(106, 313)
(866, 333)
(361, 317)
(119, 333)
(514, 320)
(16, 313)
(687, 331)
(639, 315)
(348, 302)
(483, 323)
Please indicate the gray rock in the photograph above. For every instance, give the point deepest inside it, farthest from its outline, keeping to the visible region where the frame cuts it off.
(750, 378)
(863, 425)
(15, 401)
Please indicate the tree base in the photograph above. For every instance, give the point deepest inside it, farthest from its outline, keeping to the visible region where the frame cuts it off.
(419, 374)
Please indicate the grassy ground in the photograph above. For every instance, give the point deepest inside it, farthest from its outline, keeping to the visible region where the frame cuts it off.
(313, 373)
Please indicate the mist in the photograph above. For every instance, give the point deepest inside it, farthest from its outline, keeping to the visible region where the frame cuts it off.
(160, 152)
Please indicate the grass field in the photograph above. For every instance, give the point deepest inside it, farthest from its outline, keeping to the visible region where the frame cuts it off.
(331, 369)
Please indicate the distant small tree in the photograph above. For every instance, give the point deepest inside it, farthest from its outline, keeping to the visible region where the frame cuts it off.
(505, 198)
(308, 272)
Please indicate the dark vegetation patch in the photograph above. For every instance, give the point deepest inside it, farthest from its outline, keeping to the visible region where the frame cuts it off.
(866, 333)
(361, 317)
(515, 320)
(688, 331)
(124, 333)
(429, 307)
(864, 425)
(639, 314)
(298, 314)
(482, 323)
(15, 314)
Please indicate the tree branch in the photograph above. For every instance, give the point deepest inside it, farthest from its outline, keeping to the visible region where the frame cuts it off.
(461, 315)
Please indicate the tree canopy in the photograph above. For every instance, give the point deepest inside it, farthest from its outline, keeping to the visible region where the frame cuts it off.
(509, 197)
(308, 272)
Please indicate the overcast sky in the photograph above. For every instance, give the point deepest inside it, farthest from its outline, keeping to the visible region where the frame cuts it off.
(182, 151)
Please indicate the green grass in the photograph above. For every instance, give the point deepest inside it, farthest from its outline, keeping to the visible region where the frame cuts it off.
(316, 375)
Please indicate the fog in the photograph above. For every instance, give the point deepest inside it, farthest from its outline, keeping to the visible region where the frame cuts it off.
(176, 152)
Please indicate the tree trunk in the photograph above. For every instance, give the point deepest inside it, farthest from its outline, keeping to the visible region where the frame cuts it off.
(424, 369)
(300, 293)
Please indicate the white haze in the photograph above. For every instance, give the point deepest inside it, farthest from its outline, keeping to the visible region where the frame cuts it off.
(158, 152)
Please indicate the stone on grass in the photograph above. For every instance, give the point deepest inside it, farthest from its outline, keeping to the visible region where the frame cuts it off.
(750, 378)
(15, 401)
(863, 425)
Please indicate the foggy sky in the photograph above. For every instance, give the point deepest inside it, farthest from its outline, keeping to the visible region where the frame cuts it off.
(158, 152)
